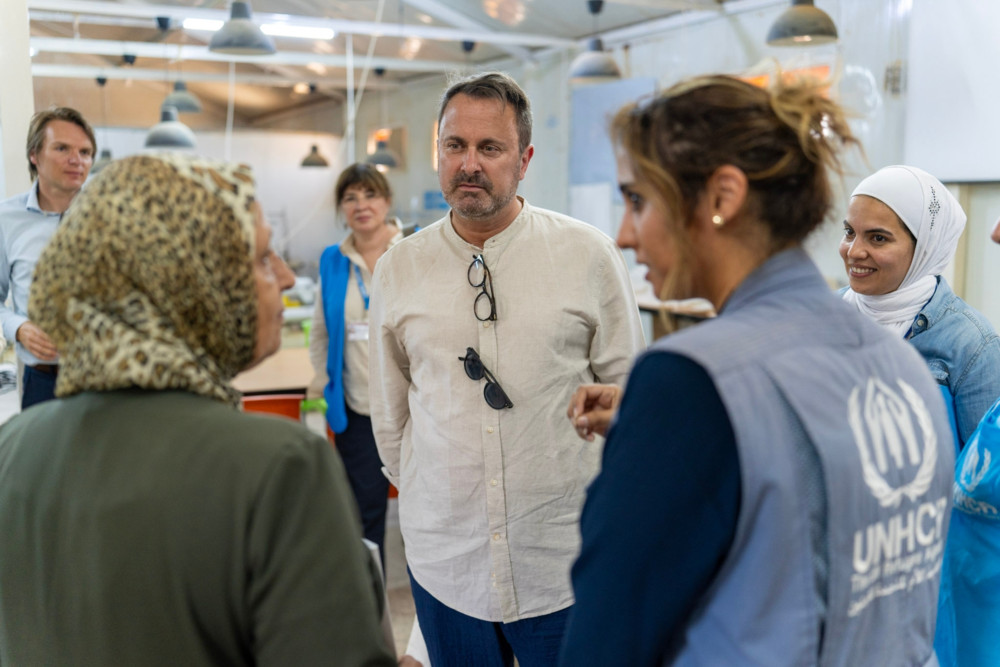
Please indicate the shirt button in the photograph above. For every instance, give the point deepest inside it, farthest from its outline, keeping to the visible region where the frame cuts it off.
(486, 325)
(493, 482)
(489, 429)
(496, 537)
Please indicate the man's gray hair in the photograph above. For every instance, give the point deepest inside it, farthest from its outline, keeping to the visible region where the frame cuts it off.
(494, 86)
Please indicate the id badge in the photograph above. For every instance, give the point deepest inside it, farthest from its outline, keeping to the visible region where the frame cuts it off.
(357, 331)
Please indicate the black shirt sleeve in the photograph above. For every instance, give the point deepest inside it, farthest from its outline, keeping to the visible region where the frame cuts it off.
(659, 519)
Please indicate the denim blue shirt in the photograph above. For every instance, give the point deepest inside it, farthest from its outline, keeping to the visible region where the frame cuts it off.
(963, 352)
(25, 229)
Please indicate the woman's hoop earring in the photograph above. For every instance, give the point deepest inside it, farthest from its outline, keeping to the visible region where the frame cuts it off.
(718, 220)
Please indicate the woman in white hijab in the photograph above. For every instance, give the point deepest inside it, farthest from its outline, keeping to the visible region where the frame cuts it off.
(901, 232)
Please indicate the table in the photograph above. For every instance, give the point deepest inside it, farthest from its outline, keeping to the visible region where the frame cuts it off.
(287, 371)
(686, 312)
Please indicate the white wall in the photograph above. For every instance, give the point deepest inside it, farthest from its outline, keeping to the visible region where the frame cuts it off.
(297, 200)
(981, 278)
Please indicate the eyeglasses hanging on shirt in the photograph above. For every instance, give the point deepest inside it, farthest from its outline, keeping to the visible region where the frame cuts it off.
(479, 276)
(494, 394)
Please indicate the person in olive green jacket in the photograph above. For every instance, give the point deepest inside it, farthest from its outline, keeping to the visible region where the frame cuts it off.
(144, 520)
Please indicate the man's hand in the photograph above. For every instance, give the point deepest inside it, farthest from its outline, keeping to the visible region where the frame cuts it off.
(409, 661)
(592, 407)
(36, 341)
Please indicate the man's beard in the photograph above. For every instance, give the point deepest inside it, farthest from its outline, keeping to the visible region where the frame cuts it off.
(474, 206)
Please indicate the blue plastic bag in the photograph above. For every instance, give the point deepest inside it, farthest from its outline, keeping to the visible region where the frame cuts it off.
(968, 626)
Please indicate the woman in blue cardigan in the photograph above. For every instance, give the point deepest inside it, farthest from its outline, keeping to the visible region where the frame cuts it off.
(338, 346)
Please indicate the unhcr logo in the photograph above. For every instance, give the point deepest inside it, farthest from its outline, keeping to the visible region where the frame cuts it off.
(888, 430)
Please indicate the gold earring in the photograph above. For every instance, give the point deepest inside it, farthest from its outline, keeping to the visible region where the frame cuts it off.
(718, 220)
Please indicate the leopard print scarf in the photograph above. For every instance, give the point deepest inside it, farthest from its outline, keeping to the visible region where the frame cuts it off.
(148, 281)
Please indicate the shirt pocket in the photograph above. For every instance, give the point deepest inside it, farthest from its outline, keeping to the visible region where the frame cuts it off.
(940, 372)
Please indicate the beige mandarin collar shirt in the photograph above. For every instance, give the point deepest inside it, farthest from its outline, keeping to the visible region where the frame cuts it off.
(490, 499)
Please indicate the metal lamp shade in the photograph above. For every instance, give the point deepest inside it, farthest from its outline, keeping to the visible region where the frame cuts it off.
(594, 65)
(240, 35)
(182, 100)
(802, 24)
(314, 159)
(170, 132)
(102, 161)
(382, 157)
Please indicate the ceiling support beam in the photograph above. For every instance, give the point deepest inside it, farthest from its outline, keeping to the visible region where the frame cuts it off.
(442, 12)
(187, 52)
(92, 11)
(148, 74)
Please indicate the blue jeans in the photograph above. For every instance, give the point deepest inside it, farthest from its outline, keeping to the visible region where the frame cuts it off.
(38, 387)
(456, 640)
(356, 446)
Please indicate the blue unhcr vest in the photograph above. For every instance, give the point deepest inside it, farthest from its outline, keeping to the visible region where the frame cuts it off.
(829, 411)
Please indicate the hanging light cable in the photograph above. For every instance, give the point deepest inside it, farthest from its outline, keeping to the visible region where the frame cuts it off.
(181, 98)
(594, 65)
(382, 157)
(105, 157)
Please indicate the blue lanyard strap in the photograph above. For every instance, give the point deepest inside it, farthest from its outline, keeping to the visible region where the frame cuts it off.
(361, 285)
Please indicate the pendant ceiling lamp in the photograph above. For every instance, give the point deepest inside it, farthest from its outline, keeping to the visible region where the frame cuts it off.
(802, 24)
(240, 35)
(182, 100)
(594, 65)
(382, 157)
(102, 161)
(170, 132)
(105, 157)
(315, 159)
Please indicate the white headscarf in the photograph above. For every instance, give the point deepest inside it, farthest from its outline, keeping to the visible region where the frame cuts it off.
(935, 218)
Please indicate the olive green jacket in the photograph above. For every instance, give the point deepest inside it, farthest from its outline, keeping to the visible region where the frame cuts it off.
(163, 528)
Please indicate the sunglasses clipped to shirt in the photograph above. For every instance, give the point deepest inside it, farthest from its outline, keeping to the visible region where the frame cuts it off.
(494, 394)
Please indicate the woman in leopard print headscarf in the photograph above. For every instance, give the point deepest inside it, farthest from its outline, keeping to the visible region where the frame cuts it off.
(165, 299)
(143, 518)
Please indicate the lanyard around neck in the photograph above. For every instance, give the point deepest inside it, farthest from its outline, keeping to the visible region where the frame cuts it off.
(361, 284)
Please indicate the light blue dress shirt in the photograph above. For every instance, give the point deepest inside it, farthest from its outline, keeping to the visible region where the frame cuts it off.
(25, 229)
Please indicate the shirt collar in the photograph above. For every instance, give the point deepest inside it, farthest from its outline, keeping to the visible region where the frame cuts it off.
(937, 306)
(497, 240)
(33, 205)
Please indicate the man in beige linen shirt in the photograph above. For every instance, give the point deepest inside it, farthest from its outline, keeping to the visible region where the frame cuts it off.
(482, 326)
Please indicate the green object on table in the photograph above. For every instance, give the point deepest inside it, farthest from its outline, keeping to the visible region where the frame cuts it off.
(314, 405)
(306, 328)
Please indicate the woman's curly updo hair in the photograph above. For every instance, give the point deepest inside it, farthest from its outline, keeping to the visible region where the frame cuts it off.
(786, 140)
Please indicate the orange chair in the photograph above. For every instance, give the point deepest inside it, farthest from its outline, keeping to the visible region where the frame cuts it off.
(285, 405)
(393, 492)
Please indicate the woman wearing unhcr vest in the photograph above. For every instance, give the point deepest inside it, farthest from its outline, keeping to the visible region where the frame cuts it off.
(792, 459)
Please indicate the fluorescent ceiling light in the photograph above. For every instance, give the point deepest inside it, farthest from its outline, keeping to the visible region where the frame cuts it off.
(302, 32)
(208, 25)
(273, 29)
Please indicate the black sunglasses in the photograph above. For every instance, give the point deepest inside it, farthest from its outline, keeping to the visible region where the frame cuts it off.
(479, 276)
(494, 394)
